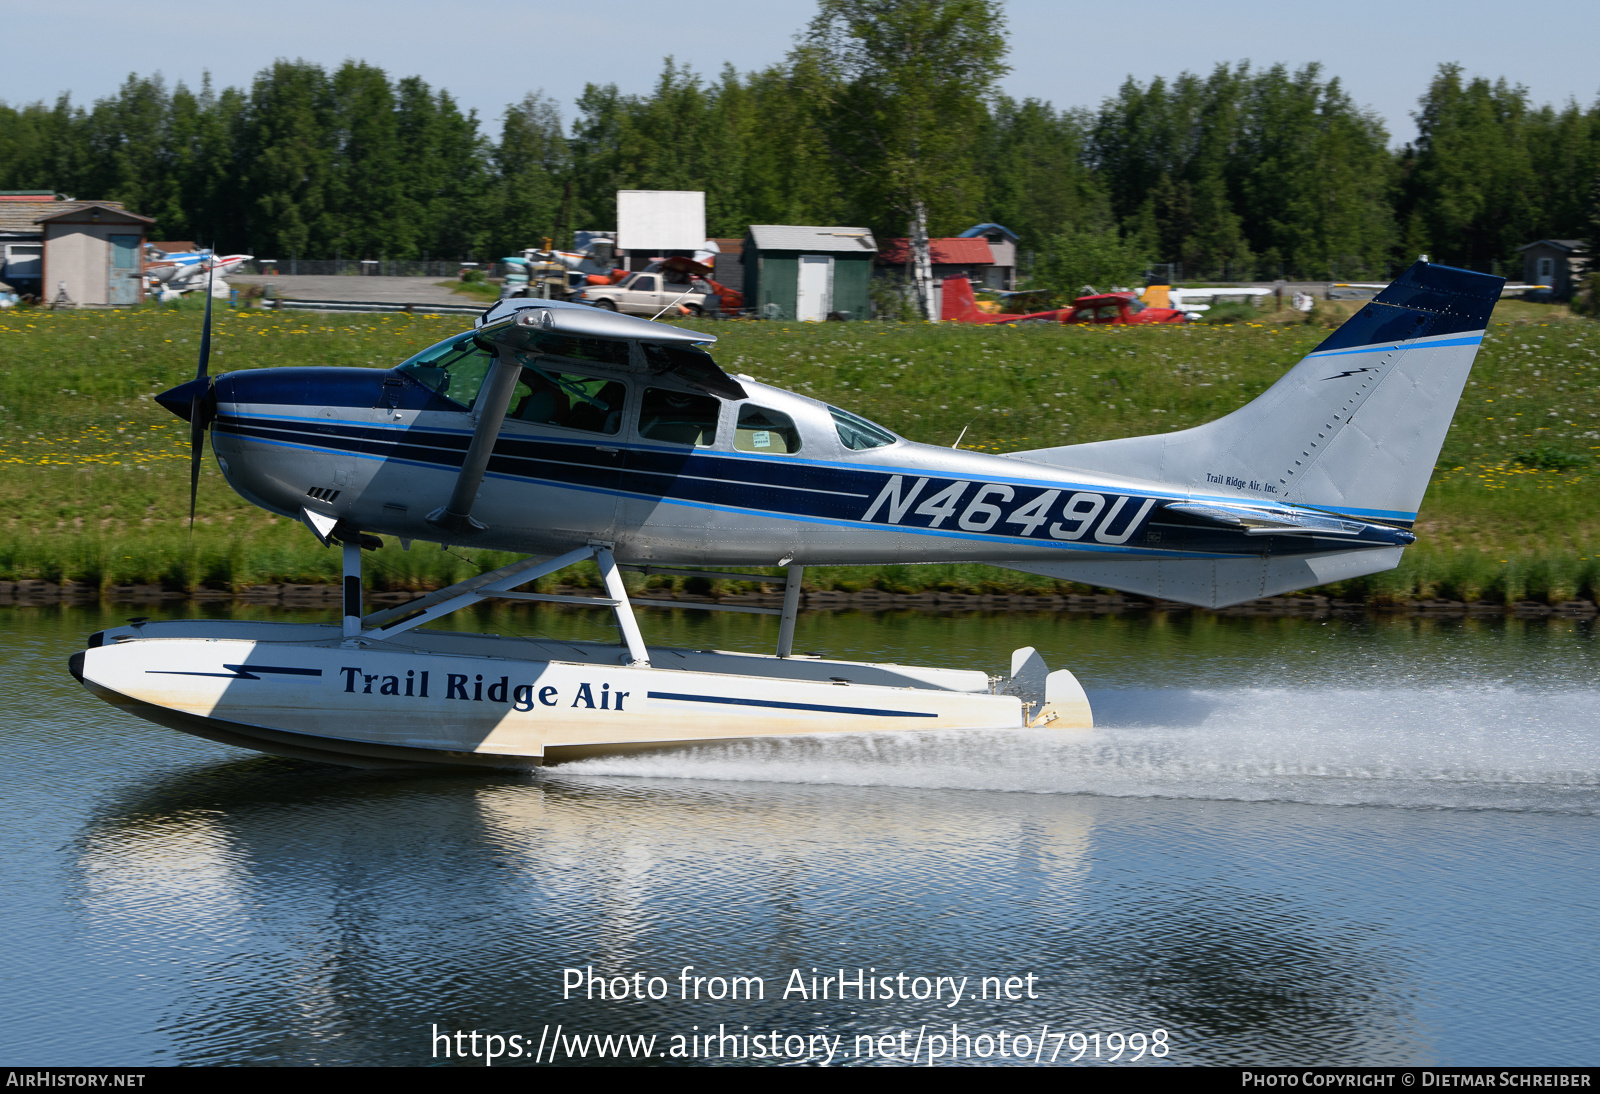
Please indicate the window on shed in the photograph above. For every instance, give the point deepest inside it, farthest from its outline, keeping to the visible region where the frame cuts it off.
(767, 431)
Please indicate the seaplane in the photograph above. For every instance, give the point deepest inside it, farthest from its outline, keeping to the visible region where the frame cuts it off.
(566, 433)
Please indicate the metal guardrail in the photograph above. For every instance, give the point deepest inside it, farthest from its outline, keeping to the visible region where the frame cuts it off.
(378, 306)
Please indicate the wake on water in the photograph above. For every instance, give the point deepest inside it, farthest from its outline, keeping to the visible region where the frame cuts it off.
(1475, 748)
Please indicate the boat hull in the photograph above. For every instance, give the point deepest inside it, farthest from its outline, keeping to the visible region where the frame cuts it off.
(483, 700)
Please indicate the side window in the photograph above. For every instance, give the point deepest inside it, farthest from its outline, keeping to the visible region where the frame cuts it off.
(1108, 313)
(677, 417)
(644, 283)
(569, 400)
(1082, 315)
(858, 434)
(454, 368)
(763, 430)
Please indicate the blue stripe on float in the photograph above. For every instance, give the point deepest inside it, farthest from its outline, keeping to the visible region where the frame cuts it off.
(728, 700)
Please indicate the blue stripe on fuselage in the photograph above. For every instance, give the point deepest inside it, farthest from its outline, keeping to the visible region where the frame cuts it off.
(808, 491)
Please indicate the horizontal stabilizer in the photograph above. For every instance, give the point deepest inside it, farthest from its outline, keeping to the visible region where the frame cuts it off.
(1268, 522)
(1219, 582)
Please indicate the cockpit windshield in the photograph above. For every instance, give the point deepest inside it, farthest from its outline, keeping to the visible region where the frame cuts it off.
(454, 368)
(858, 434)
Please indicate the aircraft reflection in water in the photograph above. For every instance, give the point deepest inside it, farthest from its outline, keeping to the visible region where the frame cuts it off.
(568, 433)
(278, 913)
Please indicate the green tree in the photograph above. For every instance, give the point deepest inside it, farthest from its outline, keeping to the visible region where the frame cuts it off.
(1080, 258)
(775, 167)
(1037, 181)
(896, 89)
(370, 213)
(444, 171)
(290, 147)
(1469, 193)
(532, 178)
(44, 148)
(1314, 173)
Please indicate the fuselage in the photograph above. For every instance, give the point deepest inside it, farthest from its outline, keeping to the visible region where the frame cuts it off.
(776, 478)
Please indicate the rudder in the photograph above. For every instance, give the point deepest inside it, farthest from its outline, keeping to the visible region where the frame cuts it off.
(1355, 427)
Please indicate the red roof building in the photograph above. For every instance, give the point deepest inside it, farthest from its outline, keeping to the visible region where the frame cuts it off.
(954, 251)
(955, 256)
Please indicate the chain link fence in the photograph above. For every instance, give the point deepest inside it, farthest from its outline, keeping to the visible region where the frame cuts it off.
(350, 267)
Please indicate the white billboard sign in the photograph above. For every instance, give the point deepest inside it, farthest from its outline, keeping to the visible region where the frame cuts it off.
(661, 220)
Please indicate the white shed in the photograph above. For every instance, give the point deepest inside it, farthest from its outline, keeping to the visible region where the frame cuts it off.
(95, 253)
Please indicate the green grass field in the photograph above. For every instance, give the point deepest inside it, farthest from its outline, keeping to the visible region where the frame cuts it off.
(95, 473)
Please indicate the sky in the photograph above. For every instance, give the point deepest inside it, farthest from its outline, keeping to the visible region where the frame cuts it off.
(1069, 53)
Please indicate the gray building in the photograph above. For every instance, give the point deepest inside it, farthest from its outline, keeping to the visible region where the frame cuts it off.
(1559, 263)
(807, 272)
(94, 249)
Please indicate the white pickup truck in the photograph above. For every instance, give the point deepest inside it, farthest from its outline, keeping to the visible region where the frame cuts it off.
(647, 293)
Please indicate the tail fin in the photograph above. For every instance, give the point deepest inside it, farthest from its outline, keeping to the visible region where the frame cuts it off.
(1354, 428)
(958, 302)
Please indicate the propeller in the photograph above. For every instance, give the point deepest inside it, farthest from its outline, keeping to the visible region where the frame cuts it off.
(196, 403)
(201, 406)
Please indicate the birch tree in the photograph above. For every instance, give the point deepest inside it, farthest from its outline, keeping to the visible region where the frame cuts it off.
(901, 91)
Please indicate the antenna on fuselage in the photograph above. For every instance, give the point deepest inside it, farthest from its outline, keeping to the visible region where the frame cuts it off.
(966, 427)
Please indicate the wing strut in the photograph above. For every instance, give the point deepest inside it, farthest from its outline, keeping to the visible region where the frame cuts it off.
(490, 411)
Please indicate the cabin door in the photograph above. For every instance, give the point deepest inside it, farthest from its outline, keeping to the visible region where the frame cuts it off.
(124, 287)
(816, 288)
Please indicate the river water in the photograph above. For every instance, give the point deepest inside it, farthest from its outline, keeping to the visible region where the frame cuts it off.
(1288, 841)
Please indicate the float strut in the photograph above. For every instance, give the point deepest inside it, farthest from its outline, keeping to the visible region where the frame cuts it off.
(617, 591)
(352, 589)
(791, 610)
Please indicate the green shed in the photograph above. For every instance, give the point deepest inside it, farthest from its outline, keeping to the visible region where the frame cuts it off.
(803, 272)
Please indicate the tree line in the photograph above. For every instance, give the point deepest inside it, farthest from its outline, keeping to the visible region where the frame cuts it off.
(1245, 173)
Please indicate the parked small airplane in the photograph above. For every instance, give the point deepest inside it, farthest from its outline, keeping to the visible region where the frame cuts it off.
(564, 433)
(1184, 299)
(173, 273)
(960, 305)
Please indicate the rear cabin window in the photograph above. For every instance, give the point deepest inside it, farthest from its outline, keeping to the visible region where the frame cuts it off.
(454, 368)
(678, 417)
(569, 400)
(765, 431)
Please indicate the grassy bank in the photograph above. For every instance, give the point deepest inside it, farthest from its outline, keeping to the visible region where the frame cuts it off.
(93, 473)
